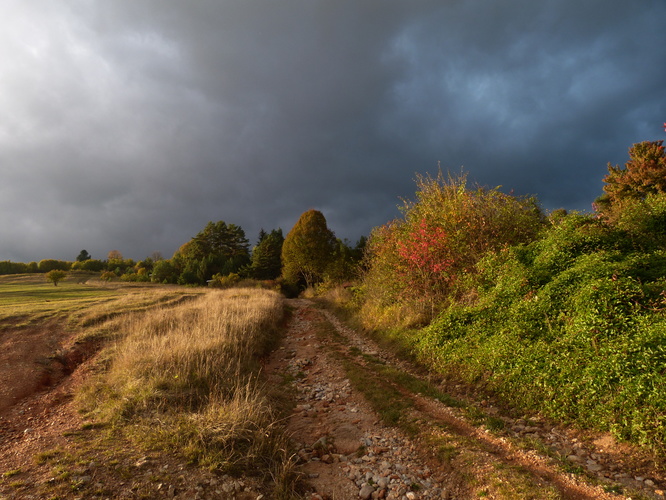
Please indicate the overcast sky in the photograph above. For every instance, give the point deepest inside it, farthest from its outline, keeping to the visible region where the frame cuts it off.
(129, 124)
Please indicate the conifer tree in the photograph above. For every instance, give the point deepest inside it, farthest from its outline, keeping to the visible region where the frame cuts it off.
(266, 256)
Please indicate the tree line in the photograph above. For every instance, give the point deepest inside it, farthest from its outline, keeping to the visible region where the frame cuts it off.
(419, 260)
(220, 255)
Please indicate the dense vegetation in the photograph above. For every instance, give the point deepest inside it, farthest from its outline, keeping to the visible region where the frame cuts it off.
(562, 315)
(220, 256)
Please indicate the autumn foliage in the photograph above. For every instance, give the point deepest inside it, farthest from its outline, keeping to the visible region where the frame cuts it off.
(644, 175)
(415, 262)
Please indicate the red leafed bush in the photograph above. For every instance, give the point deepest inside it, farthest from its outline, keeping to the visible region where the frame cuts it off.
(424, 254)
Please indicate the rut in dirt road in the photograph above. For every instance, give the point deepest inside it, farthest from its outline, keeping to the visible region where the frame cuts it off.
(365, 427)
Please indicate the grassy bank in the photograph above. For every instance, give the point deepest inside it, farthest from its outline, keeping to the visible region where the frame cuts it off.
(184, 379)
(572, 325)
(176, 377)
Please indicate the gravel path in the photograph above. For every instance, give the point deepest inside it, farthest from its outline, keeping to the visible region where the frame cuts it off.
(346, 452)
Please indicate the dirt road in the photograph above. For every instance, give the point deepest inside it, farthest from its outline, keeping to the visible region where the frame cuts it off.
(352, 445)
(364, 425)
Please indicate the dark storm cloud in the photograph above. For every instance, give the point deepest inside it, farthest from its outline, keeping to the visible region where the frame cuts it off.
(129, 125)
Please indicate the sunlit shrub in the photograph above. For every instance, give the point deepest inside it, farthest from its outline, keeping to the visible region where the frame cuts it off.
(425, 258)
(219, 281)
(571, 326)
(645, 220)
(108, 276)
(47, 265)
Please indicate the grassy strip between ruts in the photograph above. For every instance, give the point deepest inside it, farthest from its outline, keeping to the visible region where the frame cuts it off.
(184, 379)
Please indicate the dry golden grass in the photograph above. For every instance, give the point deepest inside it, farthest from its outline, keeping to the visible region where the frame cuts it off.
(184, 378)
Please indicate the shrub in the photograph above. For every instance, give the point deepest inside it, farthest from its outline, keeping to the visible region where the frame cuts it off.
(108, 276)
(644, 219)
(89, 265)
(425, 258)
(9, 267)
(570, 326)
(219, 281)
(164, 272)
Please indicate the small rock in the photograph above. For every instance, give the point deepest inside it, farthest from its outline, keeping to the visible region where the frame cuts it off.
(366, 491)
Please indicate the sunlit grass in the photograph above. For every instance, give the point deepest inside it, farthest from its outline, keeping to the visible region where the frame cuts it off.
(184, 378)
(26, 299)
(82, 299)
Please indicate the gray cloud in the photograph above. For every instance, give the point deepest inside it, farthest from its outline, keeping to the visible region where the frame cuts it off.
(129, 125)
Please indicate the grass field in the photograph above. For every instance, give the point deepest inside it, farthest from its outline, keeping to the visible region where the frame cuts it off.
(177, 370)
(30, 294)
(28, 299)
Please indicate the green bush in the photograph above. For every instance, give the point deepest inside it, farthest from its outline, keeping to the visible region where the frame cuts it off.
(645, 220)
(572, 326)
(108, 276)
(219, 281)
(89, 265)
(9, 267)
(164, 272)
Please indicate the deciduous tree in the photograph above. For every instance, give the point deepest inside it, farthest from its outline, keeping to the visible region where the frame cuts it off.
(115, 255)
(644, 174)
(308, 249)
(55, 276)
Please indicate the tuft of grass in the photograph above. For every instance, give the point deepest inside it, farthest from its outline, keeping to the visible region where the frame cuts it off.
(11, 473)
(44, 457)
